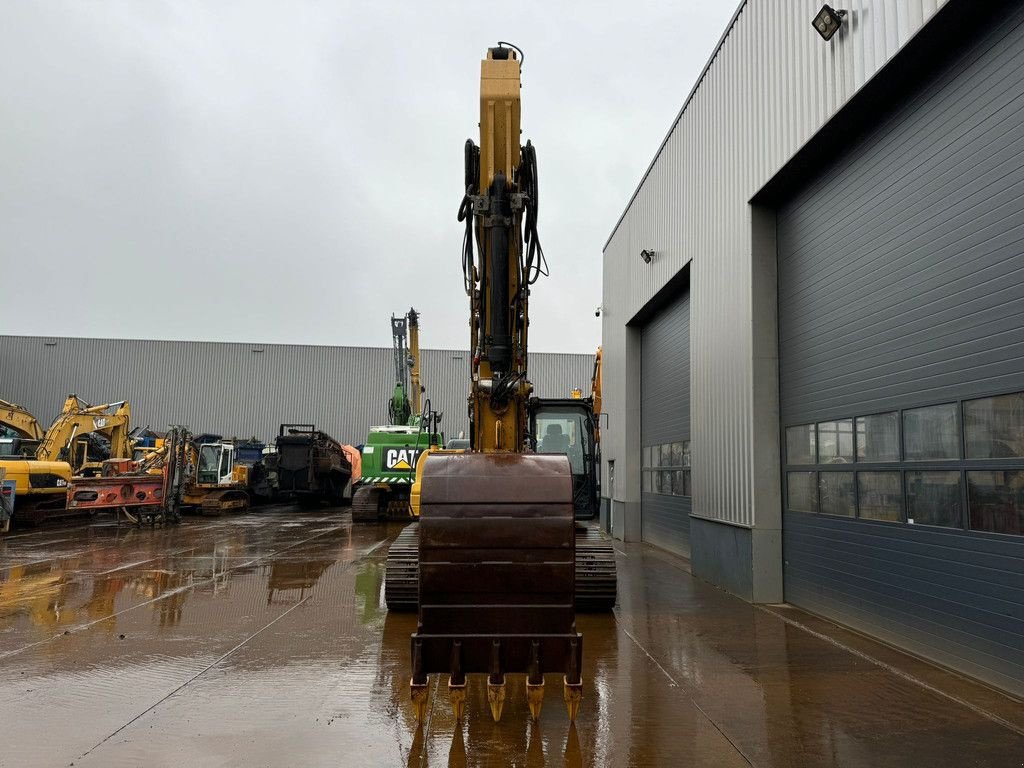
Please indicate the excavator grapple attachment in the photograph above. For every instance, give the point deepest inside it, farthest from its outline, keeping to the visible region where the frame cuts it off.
(497, 570)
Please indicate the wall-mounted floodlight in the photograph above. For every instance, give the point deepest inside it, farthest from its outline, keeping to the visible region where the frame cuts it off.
(257, 351)
(647, 256)
(828, 21)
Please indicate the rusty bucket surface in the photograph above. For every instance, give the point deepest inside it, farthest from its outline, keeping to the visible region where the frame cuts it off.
(497, 568)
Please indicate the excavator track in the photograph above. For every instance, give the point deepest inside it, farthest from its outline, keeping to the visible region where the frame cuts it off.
(402, 573)
(595, 571)
(217, 503)
(365, 507)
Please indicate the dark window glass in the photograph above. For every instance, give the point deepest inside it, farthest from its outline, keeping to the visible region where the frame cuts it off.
(803, 491)
(931, 433)
(996, 501)
(668, 482)
(687, 483)
(835, 442)
(647, 455)
(994, 427)
(933, 498)
(677, 454)
(878, 437)
(648, 486)
(686, 453)
(656, 480)
(800, 445)
(837, 497)
(880, 496)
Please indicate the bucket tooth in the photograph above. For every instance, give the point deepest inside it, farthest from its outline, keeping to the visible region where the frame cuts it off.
(419, 699)
(496, 698)
(496, 682)
(572, 693)
(457, 697)
(535, 698)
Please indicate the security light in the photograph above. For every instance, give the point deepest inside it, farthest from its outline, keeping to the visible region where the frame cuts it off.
(646, 255)
(828, 21)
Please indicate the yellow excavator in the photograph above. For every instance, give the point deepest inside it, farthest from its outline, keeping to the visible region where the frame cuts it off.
(494, 552)
(17, 419)
(66, 439)
(41, 474)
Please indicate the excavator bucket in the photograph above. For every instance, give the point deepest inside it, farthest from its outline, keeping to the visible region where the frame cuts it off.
(497, 571)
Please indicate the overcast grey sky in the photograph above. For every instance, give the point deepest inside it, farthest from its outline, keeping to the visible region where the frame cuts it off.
(290, 172)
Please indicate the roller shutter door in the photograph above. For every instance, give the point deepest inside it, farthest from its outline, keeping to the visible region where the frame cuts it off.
(665, 428)
(901, 340)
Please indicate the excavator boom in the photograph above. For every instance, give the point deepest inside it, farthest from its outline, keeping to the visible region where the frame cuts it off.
(496, 534)
(19, 419)
(77, 419)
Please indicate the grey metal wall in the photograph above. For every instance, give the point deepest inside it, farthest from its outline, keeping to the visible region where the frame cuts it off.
(232, 389)
(770, 85)
(899, 286)
(665, 417)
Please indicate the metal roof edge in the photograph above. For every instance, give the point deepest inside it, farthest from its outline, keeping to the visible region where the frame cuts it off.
(679, 116)
(446, 350)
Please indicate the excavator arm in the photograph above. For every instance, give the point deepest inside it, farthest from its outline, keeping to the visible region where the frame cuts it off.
(500, 213)
(77, 419)
(18, 418)
(496, 545)
(399, 409)
(416, 388)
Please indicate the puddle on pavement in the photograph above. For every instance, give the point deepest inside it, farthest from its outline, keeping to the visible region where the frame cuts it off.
(267, 643)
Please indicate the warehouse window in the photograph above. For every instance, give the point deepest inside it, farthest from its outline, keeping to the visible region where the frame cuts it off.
(996, 501)
(803, 491)
(835, 442)
(994, 427)
(837, 494)
(666, 469)
(931, 434)
(801, 446)
(878, 437)
(880, 496)
(933, 498)
(951, 465)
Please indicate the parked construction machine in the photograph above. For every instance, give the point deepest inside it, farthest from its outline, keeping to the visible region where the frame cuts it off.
(17, 422)
(147, 489)
(390, 452)
(311, 465)
(569, 426)
(495, 545)
(66, 449)
(218, 481)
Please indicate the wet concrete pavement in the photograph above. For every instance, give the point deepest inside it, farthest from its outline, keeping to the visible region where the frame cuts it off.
(262, 641)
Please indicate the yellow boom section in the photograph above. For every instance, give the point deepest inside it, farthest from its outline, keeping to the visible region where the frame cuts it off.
(500, 389)
(20, 420)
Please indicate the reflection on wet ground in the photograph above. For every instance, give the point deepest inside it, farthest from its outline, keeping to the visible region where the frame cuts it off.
(261, 640)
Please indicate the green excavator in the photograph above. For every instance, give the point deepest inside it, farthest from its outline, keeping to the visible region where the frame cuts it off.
(391, 451)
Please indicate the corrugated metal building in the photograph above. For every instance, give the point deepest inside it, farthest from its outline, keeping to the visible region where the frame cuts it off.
(813, 326)
(250, 389)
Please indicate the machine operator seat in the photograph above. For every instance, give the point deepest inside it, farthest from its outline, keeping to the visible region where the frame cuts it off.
(554, 440)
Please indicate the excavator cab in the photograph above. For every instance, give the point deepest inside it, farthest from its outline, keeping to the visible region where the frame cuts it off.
(568, 426)
(216, 464)
(18, 446)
